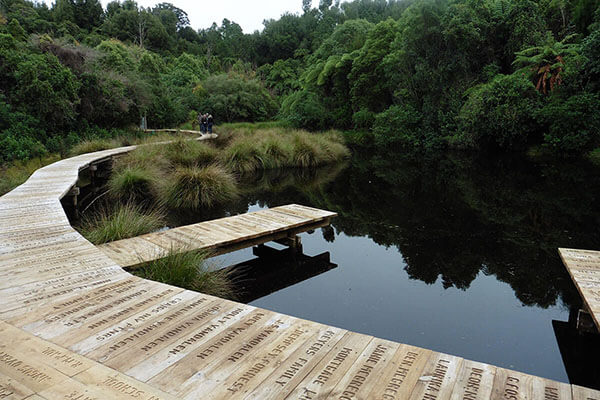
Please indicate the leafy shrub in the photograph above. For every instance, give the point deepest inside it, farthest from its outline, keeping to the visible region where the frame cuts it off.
(573, 125)
(398, 125)
(232, 97)
(500, 113)
(304, 109)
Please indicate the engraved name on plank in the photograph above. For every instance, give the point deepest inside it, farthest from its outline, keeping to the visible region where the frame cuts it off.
(273, 353)
(229, 335)
(436, 380)
(400, 374)
(364, 372)
(140, 333)
(201, 334)
(300, 362)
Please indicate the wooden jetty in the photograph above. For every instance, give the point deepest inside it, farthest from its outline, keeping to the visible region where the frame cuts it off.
(584, 268)
(221, 236)
(74, 325)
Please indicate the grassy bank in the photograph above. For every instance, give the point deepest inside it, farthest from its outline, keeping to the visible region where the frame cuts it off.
(17, 172)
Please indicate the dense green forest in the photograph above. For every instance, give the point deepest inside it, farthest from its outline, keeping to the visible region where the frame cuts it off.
(499, 75)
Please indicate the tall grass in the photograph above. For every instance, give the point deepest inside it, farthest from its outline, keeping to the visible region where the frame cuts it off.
(250, 151)
(188, 270)
(16, 173)
(190, 152)
(137, 183)
(121, 222)
(194, 187)
(149, 156)
(243, 155)
(92, 145)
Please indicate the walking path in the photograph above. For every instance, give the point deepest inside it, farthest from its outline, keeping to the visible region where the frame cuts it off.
(75, 325)
(221, 235)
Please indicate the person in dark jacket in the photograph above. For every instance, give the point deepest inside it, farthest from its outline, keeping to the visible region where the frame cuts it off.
(209, 122)
(203, 122)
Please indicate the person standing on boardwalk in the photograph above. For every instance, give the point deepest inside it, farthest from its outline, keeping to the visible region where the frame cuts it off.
(209, 122)
(202, 119)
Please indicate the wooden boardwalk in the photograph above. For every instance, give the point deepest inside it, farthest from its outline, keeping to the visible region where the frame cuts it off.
(584, 268)
(221, 235)
(74, 325)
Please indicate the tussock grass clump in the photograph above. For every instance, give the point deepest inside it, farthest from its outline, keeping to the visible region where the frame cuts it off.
(124, 221)
(194, 187)
(191, 152)
(244, 155)
(137, 183)
(188, 270)
(90, 146)
(259, 149)
(306, 152)
(277, 151)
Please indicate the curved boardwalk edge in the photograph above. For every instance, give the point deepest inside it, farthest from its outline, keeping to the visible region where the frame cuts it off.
(75, 325)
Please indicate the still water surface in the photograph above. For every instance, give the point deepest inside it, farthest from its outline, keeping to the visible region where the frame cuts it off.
(455, 255)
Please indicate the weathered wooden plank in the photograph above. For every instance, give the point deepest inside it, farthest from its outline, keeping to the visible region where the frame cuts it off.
(286, 377)
(84, 344)
(135, 344)
(437, 378)
(13, 389)
(402, 374)
(475, 381)
(512, 385)
(581, 393)
(584, 268)
(364, 375)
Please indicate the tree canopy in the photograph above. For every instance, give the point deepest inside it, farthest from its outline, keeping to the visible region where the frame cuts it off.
(498, 75)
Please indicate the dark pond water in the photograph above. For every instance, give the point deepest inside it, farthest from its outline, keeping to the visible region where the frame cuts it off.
(456, 255)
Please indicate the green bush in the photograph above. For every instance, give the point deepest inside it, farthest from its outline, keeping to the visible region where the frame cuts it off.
(398, 125)
(304, 109)
(232, 97)
(501, 114)
(573, 125)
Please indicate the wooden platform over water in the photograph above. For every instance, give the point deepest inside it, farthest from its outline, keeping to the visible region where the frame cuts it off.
(221, 235)
(74, 325)
(584, 268)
